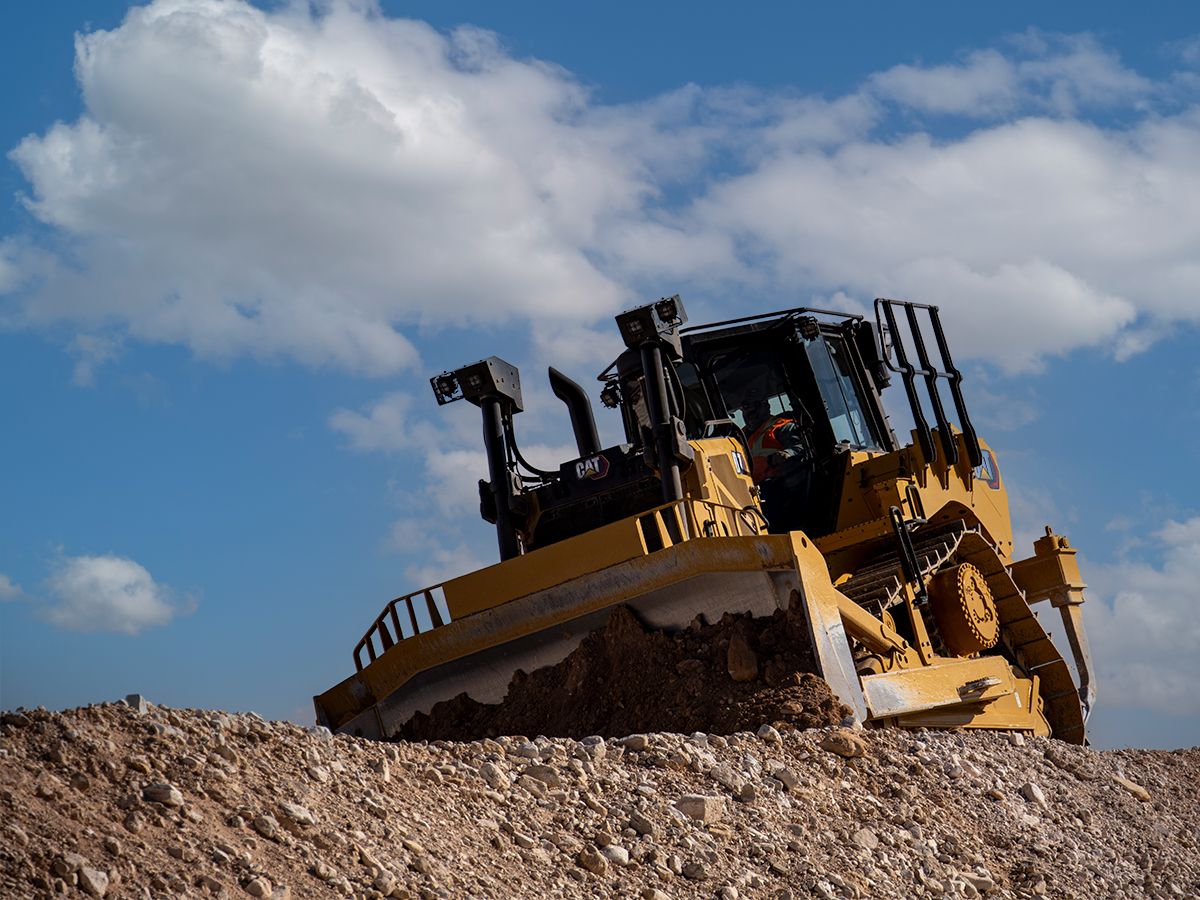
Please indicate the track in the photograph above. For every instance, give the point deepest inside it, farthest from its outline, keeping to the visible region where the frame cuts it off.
(1022, 638)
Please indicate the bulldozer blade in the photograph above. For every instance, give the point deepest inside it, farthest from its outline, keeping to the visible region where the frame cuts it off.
(479, 653)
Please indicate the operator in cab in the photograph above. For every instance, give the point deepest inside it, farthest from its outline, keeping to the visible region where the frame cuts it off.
(774, 439)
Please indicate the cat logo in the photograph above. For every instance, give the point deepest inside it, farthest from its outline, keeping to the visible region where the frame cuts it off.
(989, 471)
(594, 467)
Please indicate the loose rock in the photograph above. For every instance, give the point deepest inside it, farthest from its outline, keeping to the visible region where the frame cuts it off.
(704, 815)
(166, 794)
(1132, 787)
(93, 881)
(845, 743)
(701, 807)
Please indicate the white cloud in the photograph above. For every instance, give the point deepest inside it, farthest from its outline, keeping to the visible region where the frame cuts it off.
(986, 83)
(108, 593)
(384, 426)
(9, 590)
(441, 529)
(91, 351)
(1187, 50)
(1035, 236)
(1057, 73)
(319, 184)
(1002, 409)
(1142, 624)
(1074, 71)
(10, 271)
(1031, 510)
(439, 554)
(247, 182)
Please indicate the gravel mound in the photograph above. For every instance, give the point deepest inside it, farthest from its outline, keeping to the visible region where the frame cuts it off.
(110, 801)
(732, 675)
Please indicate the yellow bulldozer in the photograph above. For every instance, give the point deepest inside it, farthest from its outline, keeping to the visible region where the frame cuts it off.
(759, 472)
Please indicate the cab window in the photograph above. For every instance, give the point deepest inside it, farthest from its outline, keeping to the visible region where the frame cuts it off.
(830, 365)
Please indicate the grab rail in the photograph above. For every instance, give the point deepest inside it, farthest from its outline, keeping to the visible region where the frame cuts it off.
(402, 619)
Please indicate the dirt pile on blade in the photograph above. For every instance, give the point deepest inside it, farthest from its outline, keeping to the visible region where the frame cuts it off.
(733, 675)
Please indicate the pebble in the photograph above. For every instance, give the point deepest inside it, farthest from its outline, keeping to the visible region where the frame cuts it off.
(524, 841)
(259, 887)
(701, 807)
(784, 775)
(592, 860)
(385, 883)
(982, 882)
(616, 854)
(266, 825)
(1033, 793)
(494, 776)
(166, 794)
(640, 823)
(137, 703)
(724, 775)
(865, 838)
(844, 743)
(1133, 788)
(67, 864)
(300, 815)
(548, 775)
(594, 747)
(93, 881)
(318, 773)
(695, 871)
(769, 734)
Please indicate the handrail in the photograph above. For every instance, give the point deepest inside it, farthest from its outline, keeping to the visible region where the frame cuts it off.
(399, 630)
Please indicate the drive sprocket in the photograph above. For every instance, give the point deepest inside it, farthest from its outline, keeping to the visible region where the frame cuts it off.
(964, 610)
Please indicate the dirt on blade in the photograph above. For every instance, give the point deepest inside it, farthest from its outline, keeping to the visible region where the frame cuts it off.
(732, 675)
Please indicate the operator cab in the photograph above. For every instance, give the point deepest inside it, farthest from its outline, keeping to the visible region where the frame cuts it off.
(801, 393)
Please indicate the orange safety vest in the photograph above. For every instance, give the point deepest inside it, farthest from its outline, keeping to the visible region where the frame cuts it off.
(764, 443)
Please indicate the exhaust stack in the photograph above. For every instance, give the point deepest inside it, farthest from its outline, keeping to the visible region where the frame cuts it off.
(583, 421)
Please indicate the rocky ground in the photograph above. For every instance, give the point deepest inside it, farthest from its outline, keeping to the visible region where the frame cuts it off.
(144, 801)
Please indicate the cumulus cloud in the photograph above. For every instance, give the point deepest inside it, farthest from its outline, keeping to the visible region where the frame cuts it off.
(1142, 625)
(8, 590)
(108, 593)
(986, 83)
(1056, 73)
(384, 426)
(1035, 236)
(440, 528)
(317, 181)
(267, 183)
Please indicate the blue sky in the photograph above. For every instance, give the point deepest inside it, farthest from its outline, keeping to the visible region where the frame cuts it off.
(236, 241)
